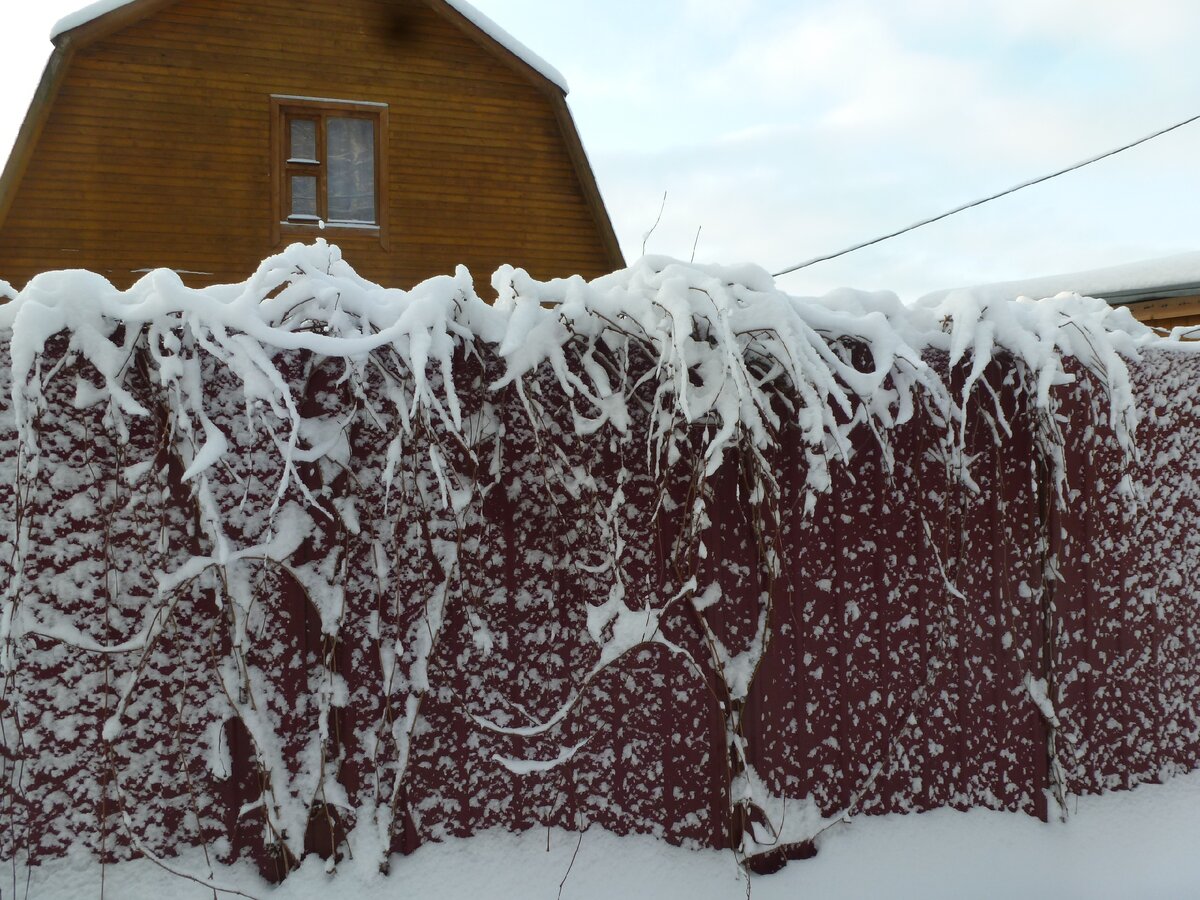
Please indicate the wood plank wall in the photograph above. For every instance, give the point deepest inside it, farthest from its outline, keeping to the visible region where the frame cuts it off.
(1169, 312)
(157, 151)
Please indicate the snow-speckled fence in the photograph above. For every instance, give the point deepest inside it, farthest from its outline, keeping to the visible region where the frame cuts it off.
(305, 566)
(892, 688)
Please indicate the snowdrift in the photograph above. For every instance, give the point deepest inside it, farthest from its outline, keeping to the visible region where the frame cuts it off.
(309, 566)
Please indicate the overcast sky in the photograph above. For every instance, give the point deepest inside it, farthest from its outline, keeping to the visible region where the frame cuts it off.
(789, 128)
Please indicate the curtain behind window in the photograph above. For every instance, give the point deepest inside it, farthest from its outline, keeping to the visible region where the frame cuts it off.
(351, 173)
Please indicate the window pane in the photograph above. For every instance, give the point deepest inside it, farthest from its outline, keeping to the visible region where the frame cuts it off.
(351, 174)
(304, 196)
(304, 139)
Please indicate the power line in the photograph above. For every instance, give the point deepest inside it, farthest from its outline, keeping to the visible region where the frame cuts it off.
(974, 203)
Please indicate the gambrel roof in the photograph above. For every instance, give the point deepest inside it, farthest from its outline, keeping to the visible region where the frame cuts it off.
(131, 10)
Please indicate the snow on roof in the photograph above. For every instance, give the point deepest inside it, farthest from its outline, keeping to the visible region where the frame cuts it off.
(1147, 275)
(85, 15)
(510, 43)
(473, 15)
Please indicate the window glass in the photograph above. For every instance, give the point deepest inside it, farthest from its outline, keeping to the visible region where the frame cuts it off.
(351, 170)
(304, 196)
(304, 140)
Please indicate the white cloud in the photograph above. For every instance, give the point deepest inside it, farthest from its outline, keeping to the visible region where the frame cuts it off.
(1145, 28)
(719, 15)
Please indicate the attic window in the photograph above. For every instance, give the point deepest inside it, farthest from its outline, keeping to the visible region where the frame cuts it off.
(329, 164)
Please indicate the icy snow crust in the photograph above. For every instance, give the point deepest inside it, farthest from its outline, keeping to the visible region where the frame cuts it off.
(485, 24)
(265, 514)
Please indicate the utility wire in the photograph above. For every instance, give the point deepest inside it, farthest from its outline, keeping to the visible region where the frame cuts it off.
(974, 203)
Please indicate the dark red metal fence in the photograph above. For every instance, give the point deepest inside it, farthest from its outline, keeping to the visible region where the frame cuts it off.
(907, 617)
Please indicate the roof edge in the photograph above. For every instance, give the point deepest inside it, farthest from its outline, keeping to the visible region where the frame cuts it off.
(1132, 296)
(587, 182)
(512, 45)
(81, 17)
(102, 18)
(33, 124)
(1177, 274)
(556, 94)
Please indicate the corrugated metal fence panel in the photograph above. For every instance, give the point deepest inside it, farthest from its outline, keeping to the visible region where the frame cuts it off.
(908, 619)
(1168, 560)
(896, 682)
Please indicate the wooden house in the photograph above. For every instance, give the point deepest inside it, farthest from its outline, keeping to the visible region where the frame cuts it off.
(204, 135)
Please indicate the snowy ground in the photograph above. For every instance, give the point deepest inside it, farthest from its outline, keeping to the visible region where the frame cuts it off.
(1145, 844)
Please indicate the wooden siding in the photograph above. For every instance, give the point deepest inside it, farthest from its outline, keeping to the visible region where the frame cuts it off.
(1168, 312)
(156, 150)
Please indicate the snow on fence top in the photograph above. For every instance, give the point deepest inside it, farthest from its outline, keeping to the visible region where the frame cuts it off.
(477, 18)
(726, 345)
(1180, 269)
